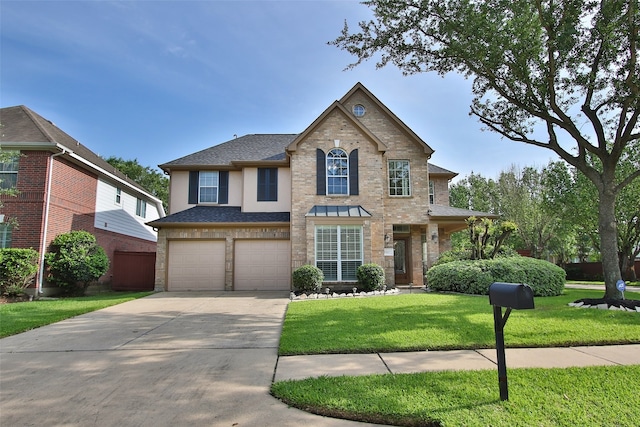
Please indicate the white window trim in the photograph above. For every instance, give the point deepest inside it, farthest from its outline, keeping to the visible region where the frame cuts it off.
(217, 187)
(326, 165)
(339, 260)
(408, 178)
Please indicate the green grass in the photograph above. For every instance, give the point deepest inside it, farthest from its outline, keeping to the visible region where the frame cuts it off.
(593, 396)
(23, 316)
(446, 321)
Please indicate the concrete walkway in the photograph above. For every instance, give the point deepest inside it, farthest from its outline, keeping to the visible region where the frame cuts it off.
(202, 359)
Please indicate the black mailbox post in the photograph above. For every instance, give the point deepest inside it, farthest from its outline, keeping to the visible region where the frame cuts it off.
(510, 296)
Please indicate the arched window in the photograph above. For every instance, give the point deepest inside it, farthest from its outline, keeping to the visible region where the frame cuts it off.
(337, 172)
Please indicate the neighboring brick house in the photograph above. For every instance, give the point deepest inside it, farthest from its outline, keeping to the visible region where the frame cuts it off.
(355, 187)
(63, 186)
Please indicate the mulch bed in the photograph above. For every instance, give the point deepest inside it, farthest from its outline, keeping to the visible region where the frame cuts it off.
(626, 303)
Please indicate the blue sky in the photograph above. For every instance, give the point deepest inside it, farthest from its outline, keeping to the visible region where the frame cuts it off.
(157, 80)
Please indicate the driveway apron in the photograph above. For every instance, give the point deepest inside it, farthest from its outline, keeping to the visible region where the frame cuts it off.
(170, 359)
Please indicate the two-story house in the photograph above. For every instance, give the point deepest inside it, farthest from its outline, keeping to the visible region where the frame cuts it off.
(355, 187)
(63, 186)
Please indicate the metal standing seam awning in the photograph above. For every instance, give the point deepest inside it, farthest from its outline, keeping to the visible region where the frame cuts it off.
(338, 211)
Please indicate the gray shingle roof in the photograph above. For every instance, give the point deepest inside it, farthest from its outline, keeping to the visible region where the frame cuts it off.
(220, 214)
(21, 124)
(254, 147)
(437, 170)
(450, 211)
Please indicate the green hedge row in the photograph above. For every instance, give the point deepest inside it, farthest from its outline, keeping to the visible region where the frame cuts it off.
(475, 277)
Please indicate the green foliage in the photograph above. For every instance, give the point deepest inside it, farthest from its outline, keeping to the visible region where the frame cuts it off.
(370, 277)
(18, 268)
(475, 277)
(307, 279)
(534, 66)
(153, 181)
(486, 236)
(465, 254)
(73, 258)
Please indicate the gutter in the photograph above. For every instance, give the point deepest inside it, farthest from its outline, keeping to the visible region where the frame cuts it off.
(43, 248)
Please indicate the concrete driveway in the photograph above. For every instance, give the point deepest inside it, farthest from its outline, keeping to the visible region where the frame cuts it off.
(170, 359)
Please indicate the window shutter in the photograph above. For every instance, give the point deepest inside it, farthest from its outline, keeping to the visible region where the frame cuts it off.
(353, 173)
(223, 189)
(194, 176)
(321, 173)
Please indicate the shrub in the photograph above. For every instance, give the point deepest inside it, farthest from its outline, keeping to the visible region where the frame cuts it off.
(75, 258)
(307, 279)
(475, 277)
(18, 268)
(370, 277)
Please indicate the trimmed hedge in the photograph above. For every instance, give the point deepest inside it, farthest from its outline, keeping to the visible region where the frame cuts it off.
(370, 277)
(307, 279)
(475, 277)
(18, 268)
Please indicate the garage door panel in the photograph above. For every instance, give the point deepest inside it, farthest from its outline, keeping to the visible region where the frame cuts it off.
(262, 265)
(196, 265)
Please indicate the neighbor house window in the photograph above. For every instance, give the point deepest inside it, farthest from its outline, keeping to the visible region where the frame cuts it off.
(9, 170)
(399, 178)
(267, 184)
(208, 187)
(339, 251)
(141, 208)
(337, 172)
(432, 193)
(118, 196)
(5, 235)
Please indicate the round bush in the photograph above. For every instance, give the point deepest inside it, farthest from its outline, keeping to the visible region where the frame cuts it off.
(475, 277)
(307, 279)
(370, 277)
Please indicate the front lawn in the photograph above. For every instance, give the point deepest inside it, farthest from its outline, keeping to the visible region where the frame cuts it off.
(593, 396)
(22, 316)
(446, 321)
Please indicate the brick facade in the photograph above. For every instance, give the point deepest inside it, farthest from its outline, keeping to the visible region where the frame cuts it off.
(228, 234)
(72, 206)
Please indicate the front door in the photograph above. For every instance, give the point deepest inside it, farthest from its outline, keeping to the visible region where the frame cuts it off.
(402, 260)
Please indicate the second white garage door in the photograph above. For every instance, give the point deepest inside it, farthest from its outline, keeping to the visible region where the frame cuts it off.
(262, 265)
(196, 265)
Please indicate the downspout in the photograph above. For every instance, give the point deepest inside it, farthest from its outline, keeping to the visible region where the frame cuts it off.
(43, 248)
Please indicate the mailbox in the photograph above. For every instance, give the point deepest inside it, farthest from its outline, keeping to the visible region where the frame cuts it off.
(511, 295)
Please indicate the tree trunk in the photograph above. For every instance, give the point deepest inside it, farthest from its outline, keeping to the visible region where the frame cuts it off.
(609, 243)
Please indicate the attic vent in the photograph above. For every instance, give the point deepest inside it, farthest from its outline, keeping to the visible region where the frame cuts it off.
(359, 110)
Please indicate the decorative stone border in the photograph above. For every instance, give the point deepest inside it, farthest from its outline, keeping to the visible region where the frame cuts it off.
(320, 296)
(602, 304)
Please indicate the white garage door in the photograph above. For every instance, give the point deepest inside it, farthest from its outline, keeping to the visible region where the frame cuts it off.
(263, 265)
(196, 265)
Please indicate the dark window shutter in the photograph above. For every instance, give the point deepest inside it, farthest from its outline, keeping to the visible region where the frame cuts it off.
(194, 177)
(267, 184)
(353, 173)
(321, 173)
(223, 189)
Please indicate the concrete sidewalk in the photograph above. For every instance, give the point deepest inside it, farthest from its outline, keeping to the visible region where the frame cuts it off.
(299, 367)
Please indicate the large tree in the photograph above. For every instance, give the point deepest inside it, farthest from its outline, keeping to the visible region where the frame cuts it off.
(153, 181)
(562, 75)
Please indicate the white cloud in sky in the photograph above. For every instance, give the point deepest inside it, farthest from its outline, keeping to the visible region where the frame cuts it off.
(157, 80)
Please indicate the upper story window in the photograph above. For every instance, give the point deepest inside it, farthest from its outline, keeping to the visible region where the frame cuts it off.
(337, 172)
(399, 178)
(118, 196)
(208, 187)
(432, 193)
(141, 208)
(359, 110)
(9, 170)
(267, 184)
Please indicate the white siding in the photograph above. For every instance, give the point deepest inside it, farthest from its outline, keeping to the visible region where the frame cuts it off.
(121, 218)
